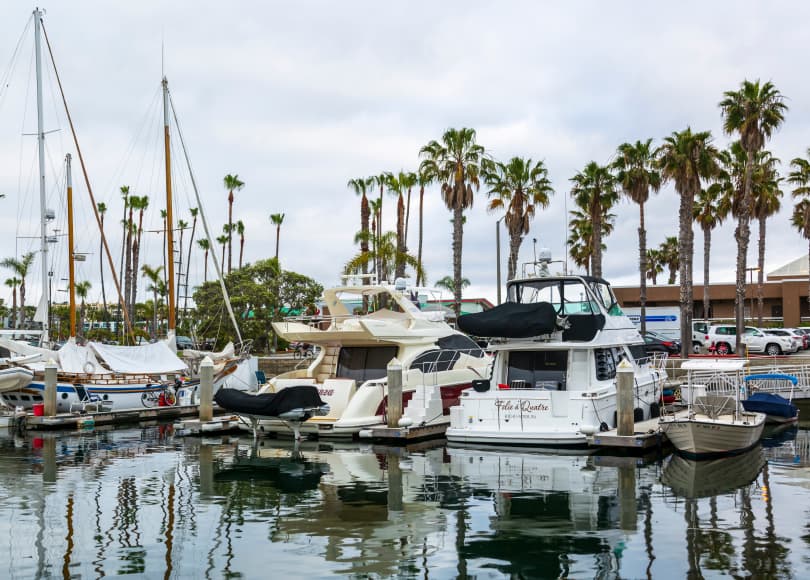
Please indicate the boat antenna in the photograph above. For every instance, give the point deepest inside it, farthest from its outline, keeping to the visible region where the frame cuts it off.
(204, 220)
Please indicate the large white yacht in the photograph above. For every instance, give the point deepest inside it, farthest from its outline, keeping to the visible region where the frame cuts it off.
(556, 342)
(367, 326)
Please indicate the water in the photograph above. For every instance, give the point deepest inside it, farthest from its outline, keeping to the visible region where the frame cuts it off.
(145, 503)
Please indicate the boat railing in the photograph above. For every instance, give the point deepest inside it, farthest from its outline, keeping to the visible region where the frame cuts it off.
(800, 371)
(243, 348)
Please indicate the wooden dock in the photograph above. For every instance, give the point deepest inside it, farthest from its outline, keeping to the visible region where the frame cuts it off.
(404, 434)
(192, 427)
(86, 420)
(646, 434)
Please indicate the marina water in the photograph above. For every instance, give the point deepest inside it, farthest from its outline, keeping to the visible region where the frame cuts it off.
(145, 502)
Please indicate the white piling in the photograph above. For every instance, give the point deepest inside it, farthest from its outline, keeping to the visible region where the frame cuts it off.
(625, 379)
(394, 410)
(206, 389)
(50, 388)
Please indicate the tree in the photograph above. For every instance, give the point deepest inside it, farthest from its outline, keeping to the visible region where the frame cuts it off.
(360, 186)
(712, 206)
(231, 182)
(102, 209)
(223, 239)
(427, 175)
(637, 174)
(396, 186)
(155, 279)
(458, 158)
(125, 195)
(82, 288)
(655, 265)
(381, 181)
(448, 284)
(278, 218)
(128, 225)
(386, 253)
(753, 112)
(20, 269)
(194, 213)
(800, 177)
(517, 187)
(766, 198)
(594, 190)
(687, 158)
(205, 246)
(240, 229)
(407, 180)
(139, 203)
(580, 241)
(182, 226)
(12, 283)
(670, 257)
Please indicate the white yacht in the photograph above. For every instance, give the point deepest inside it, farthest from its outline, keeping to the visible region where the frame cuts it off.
(367, 326)
(557, 342)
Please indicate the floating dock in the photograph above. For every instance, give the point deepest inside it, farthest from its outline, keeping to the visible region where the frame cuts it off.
(224, 424)
(404, 434)
(646, 434)
(85, 420)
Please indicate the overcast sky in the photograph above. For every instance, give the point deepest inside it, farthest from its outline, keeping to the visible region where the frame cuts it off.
(297, 98)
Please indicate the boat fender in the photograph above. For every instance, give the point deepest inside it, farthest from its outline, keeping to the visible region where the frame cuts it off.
(89, 367)
(603, 427)
(364, 434)
(655, 410)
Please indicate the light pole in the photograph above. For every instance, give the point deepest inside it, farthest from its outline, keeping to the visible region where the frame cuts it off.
(750, 283)
(498, 255)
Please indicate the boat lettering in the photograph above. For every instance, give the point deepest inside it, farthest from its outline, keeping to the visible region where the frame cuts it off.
(523, 406)
(326, 392)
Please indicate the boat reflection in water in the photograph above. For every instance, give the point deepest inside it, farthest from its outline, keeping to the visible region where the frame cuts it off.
(696, 478)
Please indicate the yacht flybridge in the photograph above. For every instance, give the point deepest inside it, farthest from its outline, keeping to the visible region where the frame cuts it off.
(557, 342)
(366, 328)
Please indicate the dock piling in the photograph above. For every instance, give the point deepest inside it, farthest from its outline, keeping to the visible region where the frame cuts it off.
(625, 377)
(50, 388)
(206, 389)
(394, 410)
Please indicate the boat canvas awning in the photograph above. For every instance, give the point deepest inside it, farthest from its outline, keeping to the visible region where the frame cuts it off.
(79, 359)
(153, 358)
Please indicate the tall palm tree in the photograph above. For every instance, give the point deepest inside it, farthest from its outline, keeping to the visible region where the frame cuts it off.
(139, 203)
(407, 180)
(182, 226)
(12, 283)
(102, 209)
(655, 265)
(194, 213)
(580, 241)
(670, 256)
(766, 198)
(82, 288)
(155, 279)
(360, 186)
(20, 269)
(397, 187)
(458, 158)
(518, 187)
(231, 182)
(800, 177)
(687, 158)
(427, 175)
(206, 247)
(278, 218)
(128, 225)
(637, 174)
(594, 190)
(712, 206)
(375, 205)
(753, 112)
(125, 195)
(223, 239)
(240, 229)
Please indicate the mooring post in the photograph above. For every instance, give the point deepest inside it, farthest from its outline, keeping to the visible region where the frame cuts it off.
(206, 389)
(50, 388)
(394, 410)
(625, 377)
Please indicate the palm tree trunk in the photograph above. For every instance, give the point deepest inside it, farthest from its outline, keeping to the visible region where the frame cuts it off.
(179, 270)
(188, 264)
(707, 248)
(458, 232)
(399, 271)
(761, 273)
(514, 250)
(685, 218)
(365, 251)
(742, 235)
(230, 227)
(154, 311)
(642, 264)
(407, 218)
(128, 264)
(205, 268)
(131, 275)
(14, 317)
(596, 254)
(101, 269)
(22, 302)
(379, 235)
(419, 277)
(242, 249)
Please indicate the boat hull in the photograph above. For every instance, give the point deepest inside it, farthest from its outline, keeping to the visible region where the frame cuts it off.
(14, 378)
(700, 436)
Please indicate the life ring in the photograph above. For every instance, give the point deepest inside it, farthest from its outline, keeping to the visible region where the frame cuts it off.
(89, 367)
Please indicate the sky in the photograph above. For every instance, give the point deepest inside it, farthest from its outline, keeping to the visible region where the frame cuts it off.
(298, 98)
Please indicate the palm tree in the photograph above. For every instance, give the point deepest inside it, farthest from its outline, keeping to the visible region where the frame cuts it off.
(278, 218)
(427, 175)
(670, 257)
(712, 206)
(20, 269)
(154, 277)
(655, 265)
(381, 181)
(102, 209)
(12, 283)
(457, 158)
(396, 187)
(82, 288)
(407, 180)
(595, 191)
(205, 246)
(361, 186)
(182, 226)
(754, 112)
(139, 203)
(232, 182)
(128, 225)
(637, 174)
(125, 195)
(580, 241)
(386, 253)
(448, 284)
(223, 239)
(518, 187)
(240, 229)
(800, 177)
(767, 195)
(687, 158)
(194, 212)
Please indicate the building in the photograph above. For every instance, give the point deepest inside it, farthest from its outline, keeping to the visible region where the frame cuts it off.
(785, 294)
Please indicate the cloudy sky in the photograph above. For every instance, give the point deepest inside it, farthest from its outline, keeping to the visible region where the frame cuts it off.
(297, 98)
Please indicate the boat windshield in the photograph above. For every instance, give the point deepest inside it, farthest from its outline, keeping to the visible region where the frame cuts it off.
(568, 296)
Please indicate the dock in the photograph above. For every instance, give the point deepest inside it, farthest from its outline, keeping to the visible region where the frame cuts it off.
(404, 434)
(86, 420)
(646, 435)
(223, 424)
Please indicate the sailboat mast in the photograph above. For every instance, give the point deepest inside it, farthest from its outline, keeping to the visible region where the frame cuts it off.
(169, 218)
(71, 265)
(41, 143)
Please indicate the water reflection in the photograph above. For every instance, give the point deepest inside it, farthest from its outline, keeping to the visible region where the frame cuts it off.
(142, 502)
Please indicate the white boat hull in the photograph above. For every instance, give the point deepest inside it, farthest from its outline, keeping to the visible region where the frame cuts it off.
(702, 436)
(14, 378)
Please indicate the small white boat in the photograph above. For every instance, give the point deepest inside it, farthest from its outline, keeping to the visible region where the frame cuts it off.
(14, 378)
(715, 423)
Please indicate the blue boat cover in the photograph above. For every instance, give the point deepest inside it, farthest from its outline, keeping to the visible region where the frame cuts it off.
(770, 404)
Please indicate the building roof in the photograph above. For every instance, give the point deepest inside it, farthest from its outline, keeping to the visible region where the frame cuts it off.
(798, 268)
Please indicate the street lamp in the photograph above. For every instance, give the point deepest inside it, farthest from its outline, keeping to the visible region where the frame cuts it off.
(750, 283)
(498, 254)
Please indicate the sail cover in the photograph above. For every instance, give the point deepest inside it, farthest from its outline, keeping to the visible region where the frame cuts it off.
(79, 359)
(511, 320)
(153, 358)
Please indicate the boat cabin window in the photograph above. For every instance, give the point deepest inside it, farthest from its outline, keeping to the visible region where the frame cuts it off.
(443, 358)
(567, 296)
(607, 298)
(606, 361)
(364, 363)
(544, 369)
(639, 352)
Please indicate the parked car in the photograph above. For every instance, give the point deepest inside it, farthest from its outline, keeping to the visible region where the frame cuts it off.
(795, 339)
(804, 333)
(183, 342)
(698, 336)
(654, 342)
(722, 339)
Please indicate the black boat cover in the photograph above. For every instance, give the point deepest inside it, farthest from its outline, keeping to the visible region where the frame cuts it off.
(269, 404)
(511, 320)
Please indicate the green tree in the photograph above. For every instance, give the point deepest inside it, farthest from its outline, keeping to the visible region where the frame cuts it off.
(194, 213)
(800, 178)
(655, 265)
(139, 203)
(102, 209)
(12, 283)
(458, 159)
(278, 218)
(124, 251)
(427, 175)
(360, 186)
(232, 183)
(386, 253)
(670, 257)
(518, 187)
(82, 288)
(223, 239)
(205, 246)
(767, 200)
(594, 190)
(687, 159)
(20, 270)
(240, 229)
(638, 175)
(580, 240)
(448, 284)
(182, 226)
(753, 112)
(712, 206)
(155, 280)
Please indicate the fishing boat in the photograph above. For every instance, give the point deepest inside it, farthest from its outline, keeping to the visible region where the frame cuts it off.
(355, 348)
(556, 342)
(715, 423)
(772, 394)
